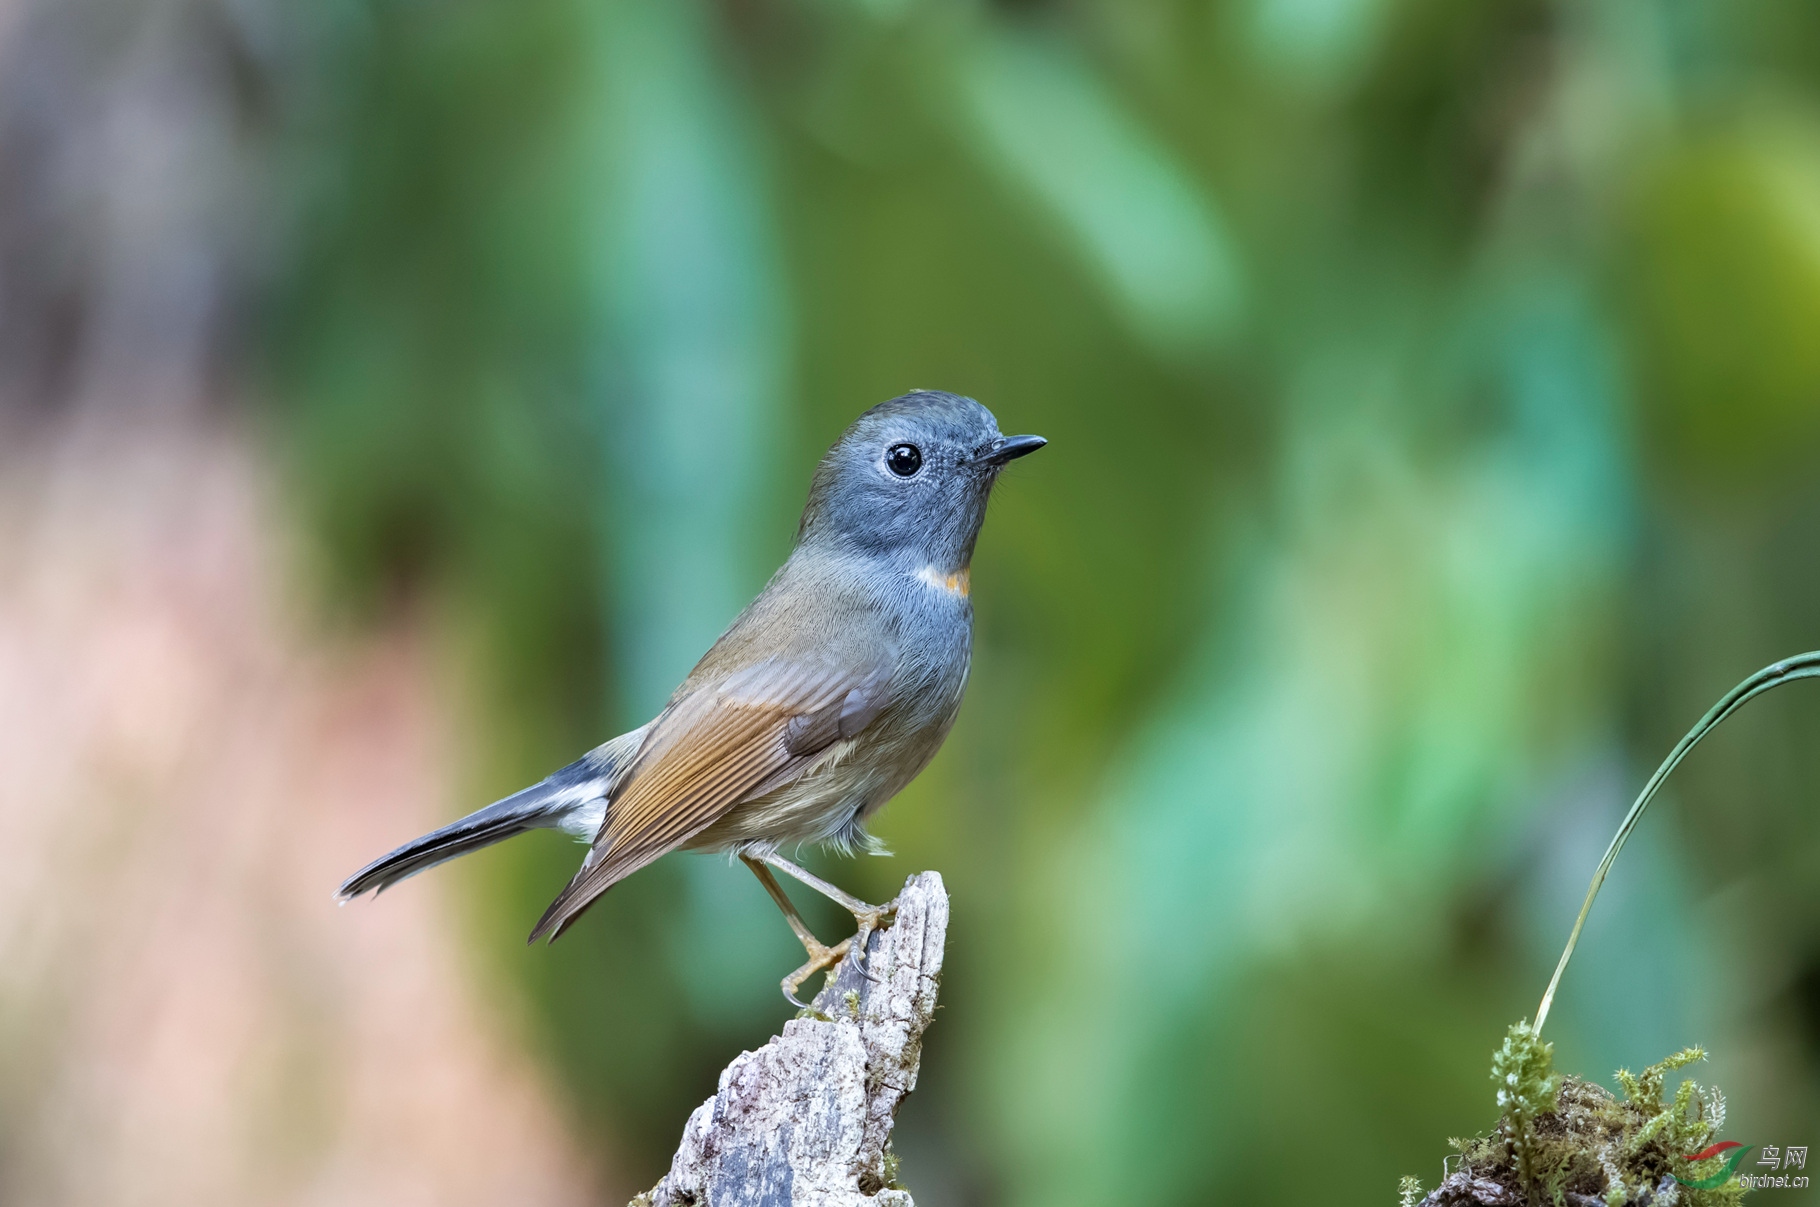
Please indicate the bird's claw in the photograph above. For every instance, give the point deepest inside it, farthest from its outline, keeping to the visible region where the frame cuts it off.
(869, 921)
(820, 959)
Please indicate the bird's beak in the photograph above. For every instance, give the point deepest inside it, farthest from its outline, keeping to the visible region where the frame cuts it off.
(1010, 448)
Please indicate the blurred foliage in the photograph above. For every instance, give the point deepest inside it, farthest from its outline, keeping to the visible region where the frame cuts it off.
(1432, 407)
(1727, 294)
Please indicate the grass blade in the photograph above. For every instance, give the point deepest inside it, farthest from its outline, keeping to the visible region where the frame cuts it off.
(1801, 666)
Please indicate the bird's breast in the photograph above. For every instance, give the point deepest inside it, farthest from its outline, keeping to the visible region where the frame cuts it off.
(955, 583)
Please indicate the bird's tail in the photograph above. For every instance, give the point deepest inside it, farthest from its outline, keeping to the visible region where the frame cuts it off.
(570, 799)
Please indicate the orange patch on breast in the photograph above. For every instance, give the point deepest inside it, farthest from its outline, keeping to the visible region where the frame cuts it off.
(958, 584)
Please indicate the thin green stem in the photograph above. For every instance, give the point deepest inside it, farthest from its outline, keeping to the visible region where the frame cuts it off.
(1801, 666)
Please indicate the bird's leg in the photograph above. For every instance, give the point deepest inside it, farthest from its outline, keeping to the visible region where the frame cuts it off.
(868, 917)
(820, 957)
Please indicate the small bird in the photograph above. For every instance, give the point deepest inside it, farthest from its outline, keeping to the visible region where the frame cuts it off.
(828, 694)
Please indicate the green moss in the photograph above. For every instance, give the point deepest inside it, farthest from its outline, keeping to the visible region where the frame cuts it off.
(892, 1170)
(1560, 1135)
(1528, 1087)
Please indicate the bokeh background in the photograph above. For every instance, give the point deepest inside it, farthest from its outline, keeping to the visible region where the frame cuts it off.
(396, 396)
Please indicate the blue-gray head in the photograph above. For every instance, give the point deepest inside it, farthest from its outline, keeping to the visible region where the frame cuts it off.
(911, 477)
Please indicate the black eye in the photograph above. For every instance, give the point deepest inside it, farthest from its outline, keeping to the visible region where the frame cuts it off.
(903, 459)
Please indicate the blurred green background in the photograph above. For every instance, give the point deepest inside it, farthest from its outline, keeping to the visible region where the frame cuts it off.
(1433, 392)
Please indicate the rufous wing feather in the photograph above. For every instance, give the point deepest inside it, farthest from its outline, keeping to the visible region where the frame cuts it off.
(705, 754)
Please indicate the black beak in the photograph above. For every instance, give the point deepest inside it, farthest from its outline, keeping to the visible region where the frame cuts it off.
(1010, 448)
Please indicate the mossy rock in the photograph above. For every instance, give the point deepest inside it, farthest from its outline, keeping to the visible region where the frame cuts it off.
(1584, 1147)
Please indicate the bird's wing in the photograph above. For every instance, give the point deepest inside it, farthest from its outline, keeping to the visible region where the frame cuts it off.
(747, 734)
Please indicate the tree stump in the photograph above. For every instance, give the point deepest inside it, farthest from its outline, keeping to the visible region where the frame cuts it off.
(806, 1120)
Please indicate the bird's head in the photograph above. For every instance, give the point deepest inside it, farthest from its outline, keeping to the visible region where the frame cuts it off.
(910, 479)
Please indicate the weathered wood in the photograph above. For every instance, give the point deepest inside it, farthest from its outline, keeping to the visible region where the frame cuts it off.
(806, 1120)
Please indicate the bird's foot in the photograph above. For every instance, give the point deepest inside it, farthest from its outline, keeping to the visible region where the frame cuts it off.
(871, 918)
(867, 918)
(820, 959)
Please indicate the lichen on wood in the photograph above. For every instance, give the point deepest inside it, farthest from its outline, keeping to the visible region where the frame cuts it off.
(806, 1120)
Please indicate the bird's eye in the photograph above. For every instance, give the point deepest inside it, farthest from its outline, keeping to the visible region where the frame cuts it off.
(904, 459)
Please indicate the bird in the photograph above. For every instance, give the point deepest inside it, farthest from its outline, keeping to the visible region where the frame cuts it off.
(828, 694)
